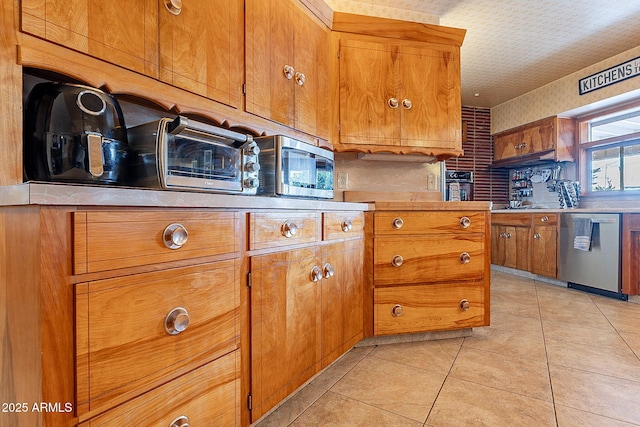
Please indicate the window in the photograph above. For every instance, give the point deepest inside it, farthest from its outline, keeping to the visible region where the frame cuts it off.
(610, 150)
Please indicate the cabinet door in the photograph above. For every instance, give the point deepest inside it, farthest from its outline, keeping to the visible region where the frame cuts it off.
(368, 80)
(506, 146)
(123, 34)
(544, 250)
(512, 248)
(341, 298)
(429, 97)
(539, 138)
(311, 80)
(498, 250)
(201, 49)
(285, 325)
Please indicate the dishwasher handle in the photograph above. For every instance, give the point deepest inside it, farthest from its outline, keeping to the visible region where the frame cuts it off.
(603, 221)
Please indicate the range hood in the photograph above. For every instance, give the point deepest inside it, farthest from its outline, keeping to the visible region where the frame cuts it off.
(533, 159)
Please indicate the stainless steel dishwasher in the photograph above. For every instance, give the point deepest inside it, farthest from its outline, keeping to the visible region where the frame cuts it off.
(595, 270)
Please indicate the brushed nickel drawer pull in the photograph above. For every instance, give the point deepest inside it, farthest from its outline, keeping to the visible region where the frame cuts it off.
(176, 321)
(316, 274)
(397, 223)
(289, 229)
(465, 258)
(465, 222)
(464, 305)
(328, 271)
(397, 310)
(397, 261)
(346, 225)
(173, 6)
(175, 236)
(181, 421)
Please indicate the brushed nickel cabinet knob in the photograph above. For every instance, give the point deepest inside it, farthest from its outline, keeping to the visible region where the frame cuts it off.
(289, 229)
(181, 421)
(346, 225)
(288, 71)
(300, 78)
(397, 223)
(407, 104)
(536, 236)
(175, 236)
(465, 258)
(316, 274)
(465, 222)
(393, 102)
(464, 305)
(396, 310)
(328, 271)
(397, 261)
(176, 321)
(173, 6)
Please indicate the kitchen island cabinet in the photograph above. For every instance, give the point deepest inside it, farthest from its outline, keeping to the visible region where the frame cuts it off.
(427, 267)
(396, 93)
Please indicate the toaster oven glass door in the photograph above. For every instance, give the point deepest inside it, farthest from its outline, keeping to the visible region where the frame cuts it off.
(192, 158)
(306, 171)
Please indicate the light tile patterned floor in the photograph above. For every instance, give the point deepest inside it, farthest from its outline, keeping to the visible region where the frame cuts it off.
(552, 357)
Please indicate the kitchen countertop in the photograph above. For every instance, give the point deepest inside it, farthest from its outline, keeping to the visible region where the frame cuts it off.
(34, 193)
(383, 205)
(573, 210)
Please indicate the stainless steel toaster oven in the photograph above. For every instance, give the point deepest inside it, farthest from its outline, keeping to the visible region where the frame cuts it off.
(186, 154)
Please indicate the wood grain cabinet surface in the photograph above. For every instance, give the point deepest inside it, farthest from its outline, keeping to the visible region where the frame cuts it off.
(306, 300)
(430, 271)
(287, 71)
(527, 242)
(198, 47)
(552, 137)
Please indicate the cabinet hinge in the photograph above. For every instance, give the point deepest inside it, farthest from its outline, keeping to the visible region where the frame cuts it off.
(248, 280)
(249, 402)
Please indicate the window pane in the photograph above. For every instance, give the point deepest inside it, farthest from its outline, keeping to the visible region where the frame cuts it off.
(615, 126)
(632, 167)
(605, 169)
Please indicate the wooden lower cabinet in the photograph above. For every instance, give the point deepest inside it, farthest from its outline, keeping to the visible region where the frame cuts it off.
(208, 396)
(430, 307)
(527, 242)
(306, 305)
(430, 271)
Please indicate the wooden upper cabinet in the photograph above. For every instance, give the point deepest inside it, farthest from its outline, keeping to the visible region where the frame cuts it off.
(398, 97)
(550, 139)
(123, 34)
(201, 49)
(287, 70)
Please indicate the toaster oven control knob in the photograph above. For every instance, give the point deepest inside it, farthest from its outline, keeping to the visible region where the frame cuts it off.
(251, 183)
(252, 167)
(252, 150)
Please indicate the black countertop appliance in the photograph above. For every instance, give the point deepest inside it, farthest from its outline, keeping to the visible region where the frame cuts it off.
(74, 133)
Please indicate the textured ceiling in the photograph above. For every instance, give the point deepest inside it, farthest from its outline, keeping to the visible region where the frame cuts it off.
(515, 46)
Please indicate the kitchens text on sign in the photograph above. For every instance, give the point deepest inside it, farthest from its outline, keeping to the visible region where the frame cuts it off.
(610, 76)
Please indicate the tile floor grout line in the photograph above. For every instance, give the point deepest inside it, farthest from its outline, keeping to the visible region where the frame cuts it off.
(546, 354)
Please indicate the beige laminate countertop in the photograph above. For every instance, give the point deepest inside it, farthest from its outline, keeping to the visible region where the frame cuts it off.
(86, 195)
(431, 206)
(574, 210)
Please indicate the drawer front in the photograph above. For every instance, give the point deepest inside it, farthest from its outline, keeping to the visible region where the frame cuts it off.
(409, 309)
(428, 259)
(269, 230)
(545, 219)
(409, 222)
(105, 240)
(340, 225)
(127, 328)
(208, 396)
(515, 219)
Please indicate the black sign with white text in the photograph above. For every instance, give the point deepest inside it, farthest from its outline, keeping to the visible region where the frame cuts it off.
(612, 75)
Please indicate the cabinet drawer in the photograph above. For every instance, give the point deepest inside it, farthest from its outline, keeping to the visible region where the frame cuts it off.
(408, 222)
(207, 396)
(105, 240)
(428, 259)
(545, 219)
(268, 230)
(339, 225)
(513, 219)
(126, 339)
(419, 308)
